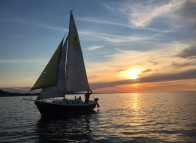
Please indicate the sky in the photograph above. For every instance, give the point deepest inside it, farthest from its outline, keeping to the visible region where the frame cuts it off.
(128, 45)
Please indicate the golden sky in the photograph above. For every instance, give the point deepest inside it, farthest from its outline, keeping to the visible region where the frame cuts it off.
(128, 46)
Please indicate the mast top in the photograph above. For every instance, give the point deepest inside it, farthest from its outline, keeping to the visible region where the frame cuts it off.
(71, 11)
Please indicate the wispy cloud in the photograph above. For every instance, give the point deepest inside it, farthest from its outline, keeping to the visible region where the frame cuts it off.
(142, 14)
(105, 21)
(124, 39)
(15, 61)
(187, 14)
(189, 52)
(149, 12)
(95, 47)
(51, 27)
(116, 39)
(18, 61)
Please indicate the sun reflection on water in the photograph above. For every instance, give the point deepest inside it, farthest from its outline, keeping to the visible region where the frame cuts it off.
(135, 101)
(136, 119)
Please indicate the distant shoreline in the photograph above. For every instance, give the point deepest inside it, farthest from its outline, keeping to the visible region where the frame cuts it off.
(10, 94)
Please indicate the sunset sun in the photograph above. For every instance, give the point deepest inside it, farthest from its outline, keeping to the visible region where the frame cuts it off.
(133, 74)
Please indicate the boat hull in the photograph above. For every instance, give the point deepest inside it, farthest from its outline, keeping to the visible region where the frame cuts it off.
(56, 108)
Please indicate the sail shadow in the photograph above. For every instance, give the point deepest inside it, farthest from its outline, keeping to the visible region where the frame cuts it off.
(70, 128)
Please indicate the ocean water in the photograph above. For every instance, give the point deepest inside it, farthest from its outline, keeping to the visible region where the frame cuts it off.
(129, 117)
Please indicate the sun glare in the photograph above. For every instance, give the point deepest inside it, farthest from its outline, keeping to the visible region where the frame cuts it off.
(133, 74)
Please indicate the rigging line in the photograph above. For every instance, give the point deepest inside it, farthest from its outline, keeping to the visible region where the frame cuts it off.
(65, 35)
(66, 65)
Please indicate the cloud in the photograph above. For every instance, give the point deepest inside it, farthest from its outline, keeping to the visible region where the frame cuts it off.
(124, 39)
(156, 66)
(140, 14)
(149, 62)
(143, 18)
(190, 74)
(15, 61)
(51, 27)
(105, 21)
(187, 12)
(183, 65)
(95, 47)
(18, 61)
(116, 39)
(151, 11)
(148, 70)
(189, 52)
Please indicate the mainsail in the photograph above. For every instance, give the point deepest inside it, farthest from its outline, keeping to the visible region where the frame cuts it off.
(65, 72)
(76, 78)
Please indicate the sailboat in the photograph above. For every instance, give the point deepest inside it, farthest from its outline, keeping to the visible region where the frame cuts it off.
(65, 74)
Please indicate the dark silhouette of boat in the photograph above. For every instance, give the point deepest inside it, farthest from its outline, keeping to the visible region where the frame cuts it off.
(65, 74)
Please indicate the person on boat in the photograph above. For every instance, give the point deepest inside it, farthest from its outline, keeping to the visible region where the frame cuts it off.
(87, 96)
(64, 99)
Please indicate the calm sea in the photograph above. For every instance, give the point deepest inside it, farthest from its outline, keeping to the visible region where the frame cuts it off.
(130, 117)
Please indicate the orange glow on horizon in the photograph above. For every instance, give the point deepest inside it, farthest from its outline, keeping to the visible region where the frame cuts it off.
(135, 85)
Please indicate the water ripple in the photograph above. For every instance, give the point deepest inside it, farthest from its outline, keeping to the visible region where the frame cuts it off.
(138, 118)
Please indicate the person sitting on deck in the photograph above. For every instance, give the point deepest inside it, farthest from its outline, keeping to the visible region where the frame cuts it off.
(87, 96)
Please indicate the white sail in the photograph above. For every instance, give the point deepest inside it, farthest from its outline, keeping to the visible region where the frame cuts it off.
(59, 89)
(65, 72)
(76, 78)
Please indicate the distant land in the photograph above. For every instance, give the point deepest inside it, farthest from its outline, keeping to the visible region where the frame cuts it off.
(6, 94)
